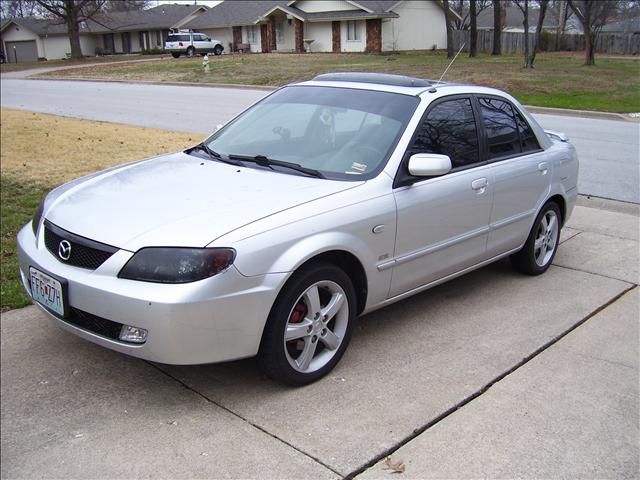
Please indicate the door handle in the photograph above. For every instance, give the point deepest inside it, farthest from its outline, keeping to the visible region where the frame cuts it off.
(479, 185)
(543, 167)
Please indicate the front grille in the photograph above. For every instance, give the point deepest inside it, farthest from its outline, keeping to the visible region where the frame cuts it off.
(85, 253)
(94, 324)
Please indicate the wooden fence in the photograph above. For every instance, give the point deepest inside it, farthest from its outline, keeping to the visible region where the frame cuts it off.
(512, 42)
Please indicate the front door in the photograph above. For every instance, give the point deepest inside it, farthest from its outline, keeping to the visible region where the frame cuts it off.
(443, 222)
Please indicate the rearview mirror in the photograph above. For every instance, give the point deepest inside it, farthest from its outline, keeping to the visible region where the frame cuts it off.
(429, 164)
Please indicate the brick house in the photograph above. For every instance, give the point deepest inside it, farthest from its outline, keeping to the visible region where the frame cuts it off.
(325, 26)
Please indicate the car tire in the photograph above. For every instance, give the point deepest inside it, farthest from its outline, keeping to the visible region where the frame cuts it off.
(542, 243)
(217, 50)
(191, 52)
(175, 54)
(309, 326)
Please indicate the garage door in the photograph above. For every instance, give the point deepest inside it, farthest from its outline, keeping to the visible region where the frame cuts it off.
(19, 52)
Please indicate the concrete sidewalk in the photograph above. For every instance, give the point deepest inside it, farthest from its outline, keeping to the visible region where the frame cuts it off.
(476, 377)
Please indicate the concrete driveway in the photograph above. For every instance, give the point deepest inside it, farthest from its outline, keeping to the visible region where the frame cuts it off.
(492, 374)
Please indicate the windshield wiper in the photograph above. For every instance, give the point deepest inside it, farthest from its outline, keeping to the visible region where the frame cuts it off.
(213, 154)
(270, 163)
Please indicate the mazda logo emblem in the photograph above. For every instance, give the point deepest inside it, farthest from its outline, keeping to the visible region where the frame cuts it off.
(64, 250)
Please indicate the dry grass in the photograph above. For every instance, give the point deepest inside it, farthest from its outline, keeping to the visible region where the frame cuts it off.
(51, 150)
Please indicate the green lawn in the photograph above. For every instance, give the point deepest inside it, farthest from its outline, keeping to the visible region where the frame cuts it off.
(559, 79)
(19, 203)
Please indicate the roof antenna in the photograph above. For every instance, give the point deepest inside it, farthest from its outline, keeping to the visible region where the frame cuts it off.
(433, 89)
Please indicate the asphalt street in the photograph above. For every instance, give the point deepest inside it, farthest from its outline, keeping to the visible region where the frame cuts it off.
(609, 150)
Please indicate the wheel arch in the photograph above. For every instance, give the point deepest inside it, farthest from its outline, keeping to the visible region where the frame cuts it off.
(562, 204)
(351, 265)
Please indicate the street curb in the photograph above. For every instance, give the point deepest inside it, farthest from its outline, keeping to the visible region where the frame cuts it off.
(172, 84)
(582, 113)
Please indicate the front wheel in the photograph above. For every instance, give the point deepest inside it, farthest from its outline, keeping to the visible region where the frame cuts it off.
(217, 50)
(541, 246)
(309, 326)
(191, 52)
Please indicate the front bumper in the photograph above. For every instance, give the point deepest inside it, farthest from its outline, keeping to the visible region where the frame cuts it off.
(217, 319)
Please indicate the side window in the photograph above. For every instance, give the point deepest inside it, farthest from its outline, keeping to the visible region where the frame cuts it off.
(528, 140)
(449, 129)
(501, 128)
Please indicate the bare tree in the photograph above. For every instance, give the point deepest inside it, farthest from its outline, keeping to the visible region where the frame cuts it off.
(19, 8)
(563, 12)
(126, 5)
(523, 5)
(447, 20)
(538, 41)
(72, 12)
(463, 9)
(592, 14)
(497, 28)
(473, 35)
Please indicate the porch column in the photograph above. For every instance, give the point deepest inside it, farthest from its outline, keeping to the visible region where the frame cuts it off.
(335, 37)
(374, 36)
(271, 35)
(237, 37)
(264, 43)
(299, 29)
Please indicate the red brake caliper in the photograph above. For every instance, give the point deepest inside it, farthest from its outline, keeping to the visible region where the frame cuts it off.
(299, 312)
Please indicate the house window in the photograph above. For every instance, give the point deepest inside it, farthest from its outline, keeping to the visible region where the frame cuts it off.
(251, 34)
(352, 30)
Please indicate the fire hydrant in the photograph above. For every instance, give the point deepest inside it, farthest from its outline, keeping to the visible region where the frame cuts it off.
(205, 63)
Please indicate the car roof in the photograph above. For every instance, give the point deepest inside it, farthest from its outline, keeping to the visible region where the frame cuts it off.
(386, 82)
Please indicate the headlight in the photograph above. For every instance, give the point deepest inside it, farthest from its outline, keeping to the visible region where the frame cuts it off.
(37, 218)
(177, 265)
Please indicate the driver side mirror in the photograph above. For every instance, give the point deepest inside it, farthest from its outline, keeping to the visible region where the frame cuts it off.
(429, 165)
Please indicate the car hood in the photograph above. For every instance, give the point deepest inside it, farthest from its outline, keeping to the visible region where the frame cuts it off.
(179, 200)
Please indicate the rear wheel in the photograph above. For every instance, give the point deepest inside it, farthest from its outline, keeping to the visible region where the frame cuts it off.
(175, 54)
(191, 52)
(309, 326)
(542, 244)
(217, 50)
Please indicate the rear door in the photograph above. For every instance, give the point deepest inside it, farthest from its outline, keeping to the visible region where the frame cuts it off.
(442, 222)
(522, 175)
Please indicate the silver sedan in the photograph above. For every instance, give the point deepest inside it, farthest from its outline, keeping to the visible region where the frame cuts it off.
(324, 201)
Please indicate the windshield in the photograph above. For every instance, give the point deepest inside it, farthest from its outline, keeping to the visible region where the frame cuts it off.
(343, 133)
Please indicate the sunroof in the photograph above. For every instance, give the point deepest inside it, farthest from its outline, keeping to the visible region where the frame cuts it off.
(377, 78)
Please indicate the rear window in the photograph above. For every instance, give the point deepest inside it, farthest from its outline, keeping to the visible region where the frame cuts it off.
(178, 38)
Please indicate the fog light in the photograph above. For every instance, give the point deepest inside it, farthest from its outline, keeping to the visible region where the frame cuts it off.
(133, 334)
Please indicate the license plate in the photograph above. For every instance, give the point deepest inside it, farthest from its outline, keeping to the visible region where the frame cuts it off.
(47, 291)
